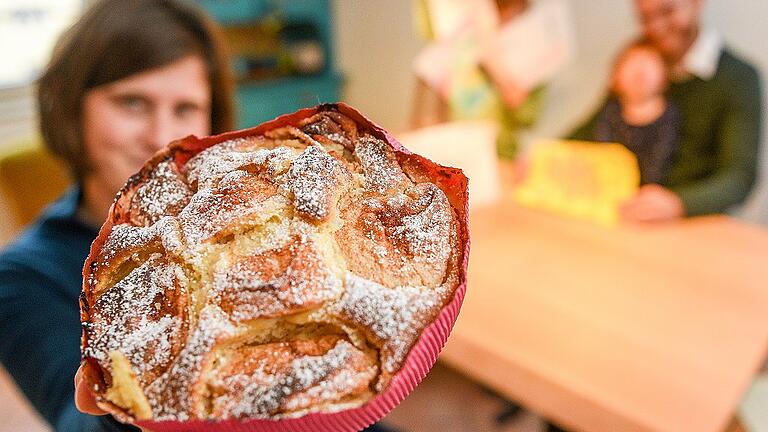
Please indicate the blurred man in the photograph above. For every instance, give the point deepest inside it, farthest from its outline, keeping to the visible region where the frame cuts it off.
(719, 97)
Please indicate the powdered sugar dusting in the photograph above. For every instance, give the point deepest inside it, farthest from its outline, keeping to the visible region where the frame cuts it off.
(238, 200)
(275, 282)
(163, 194)
(243, 241)
(426, 234)
(382, 172)
(124, 237)
(330, 387)
(171, 396)
(313, 179)
(128, 238)
(306, 378)
(135, 316)
(211, 164)
(395, 316)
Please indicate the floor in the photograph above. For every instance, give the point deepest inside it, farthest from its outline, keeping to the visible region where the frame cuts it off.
(445, 401)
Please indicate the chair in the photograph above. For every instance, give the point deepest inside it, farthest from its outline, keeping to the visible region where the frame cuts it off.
(30, 179)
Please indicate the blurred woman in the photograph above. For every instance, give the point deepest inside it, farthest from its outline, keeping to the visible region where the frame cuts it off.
(470, 93)
(124, 81)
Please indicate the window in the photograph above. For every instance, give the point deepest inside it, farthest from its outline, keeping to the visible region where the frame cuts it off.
(28, 31)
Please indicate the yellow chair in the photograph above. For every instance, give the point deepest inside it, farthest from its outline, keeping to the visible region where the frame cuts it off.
(30, 179)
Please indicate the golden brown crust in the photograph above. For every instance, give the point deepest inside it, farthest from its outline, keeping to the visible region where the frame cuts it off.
(399, 239)
(144, 316)
(283, 377)
(276, 282)
(163, 193)
(268, 273)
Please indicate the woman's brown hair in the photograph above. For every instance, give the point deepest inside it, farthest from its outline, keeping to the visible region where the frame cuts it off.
(115, 39)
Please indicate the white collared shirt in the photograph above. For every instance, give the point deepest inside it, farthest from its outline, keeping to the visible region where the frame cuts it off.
(703, 57)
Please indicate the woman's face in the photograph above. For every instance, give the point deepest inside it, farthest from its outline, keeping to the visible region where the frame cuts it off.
(127, 121)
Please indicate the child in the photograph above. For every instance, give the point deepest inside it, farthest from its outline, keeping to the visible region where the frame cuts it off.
(638, 114)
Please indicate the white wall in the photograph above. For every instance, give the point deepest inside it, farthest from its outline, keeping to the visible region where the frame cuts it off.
(743, 24)
(376, 44)
(18, 113)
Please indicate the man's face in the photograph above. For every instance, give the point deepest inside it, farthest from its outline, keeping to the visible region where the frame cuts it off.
(670, 25)
(126, 122)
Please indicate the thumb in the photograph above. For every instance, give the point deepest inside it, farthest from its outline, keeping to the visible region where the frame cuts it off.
(85, 401)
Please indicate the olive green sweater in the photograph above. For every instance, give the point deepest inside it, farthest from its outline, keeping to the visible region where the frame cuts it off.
(716, 160)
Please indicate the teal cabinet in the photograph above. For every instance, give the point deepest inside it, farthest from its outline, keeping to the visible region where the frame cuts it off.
(264, 99)
(228, 12)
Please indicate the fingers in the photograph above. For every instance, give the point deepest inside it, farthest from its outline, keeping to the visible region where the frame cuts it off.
(653, 203)
(84, 398)
(636, 210)
(640, 213)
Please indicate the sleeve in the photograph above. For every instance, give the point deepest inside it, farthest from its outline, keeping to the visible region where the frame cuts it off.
(40, 339)
(72, 420)
(529, 111)
(738, 139)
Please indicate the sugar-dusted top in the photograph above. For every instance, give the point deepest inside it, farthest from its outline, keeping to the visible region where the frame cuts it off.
(267, 276)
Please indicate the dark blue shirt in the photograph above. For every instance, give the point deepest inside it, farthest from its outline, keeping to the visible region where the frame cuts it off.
(654, 144)
(40, 282)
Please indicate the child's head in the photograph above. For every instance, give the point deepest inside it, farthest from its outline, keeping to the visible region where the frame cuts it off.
(639, 73)
(510, 9)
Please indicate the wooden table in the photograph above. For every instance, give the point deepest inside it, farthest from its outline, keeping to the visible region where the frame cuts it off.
(657, 328)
